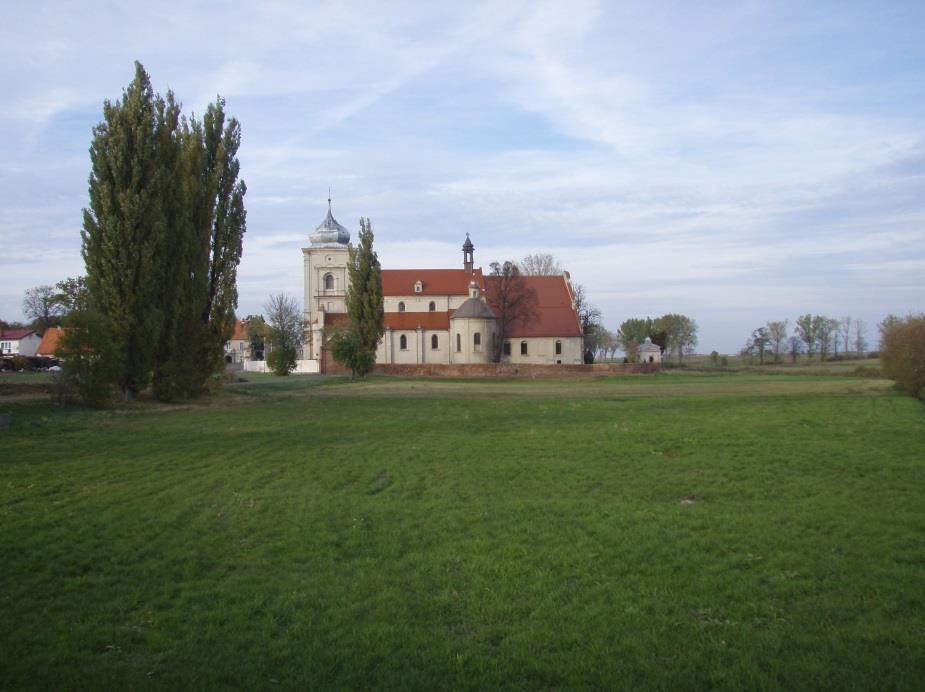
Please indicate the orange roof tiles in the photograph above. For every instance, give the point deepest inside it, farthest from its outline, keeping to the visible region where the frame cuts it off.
(556, 316)
(49, 341)
(240, 331)
(434, 282)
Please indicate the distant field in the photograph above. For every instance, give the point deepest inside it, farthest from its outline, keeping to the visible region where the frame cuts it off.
(679, 531)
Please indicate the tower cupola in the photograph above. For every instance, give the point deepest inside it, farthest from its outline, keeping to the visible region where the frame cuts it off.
(468, 250)
(329, 233)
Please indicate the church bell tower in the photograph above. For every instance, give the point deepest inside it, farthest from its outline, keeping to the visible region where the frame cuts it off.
(468, 249)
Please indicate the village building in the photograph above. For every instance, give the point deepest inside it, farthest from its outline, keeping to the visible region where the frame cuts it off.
(18, 342)
(438, 315)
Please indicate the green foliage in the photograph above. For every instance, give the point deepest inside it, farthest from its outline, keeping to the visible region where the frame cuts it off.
(162, 239)
(902, 353)
(257, 331)
(286, 333)
(88, 359)
(72, 293)
(348, 349)
(282, 360)
(364, 306)
(673, 333)
(633, 333)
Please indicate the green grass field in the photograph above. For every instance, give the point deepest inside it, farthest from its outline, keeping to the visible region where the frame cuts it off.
(679, 531)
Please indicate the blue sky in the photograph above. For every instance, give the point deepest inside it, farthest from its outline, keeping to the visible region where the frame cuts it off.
(734, 161)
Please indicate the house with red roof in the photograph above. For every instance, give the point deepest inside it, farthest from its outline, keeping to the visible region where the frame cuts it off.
(18, 342)
(237, 349)
(51, 339)
(441, 316)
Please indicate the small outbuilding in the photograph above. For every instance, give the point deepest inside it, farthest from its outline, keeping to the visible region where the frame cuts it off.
(649, 352)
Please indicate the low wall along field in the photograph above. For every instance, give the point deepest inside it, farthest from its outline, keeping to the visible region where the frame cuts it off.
(515, 370)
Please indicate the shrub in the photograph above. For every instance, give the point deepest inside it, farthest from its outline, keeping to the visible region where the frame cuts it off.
(902, 354)
(282, 360)
(348, 349)
(87, 359)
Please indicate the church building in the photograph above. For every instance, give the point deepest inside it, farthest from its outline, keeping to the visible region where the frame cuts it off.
(438, 315)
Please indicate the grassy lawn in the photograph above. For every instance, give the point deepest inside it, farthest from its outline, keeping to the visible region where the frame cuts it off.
(677, 531)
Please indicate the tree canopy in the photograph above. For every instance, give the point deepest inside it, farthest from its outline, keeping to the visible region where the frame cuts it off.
(162, 239)
(355, 346)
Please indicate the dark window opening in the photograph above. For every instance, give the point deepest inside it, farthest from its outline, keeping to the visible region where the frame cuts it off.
(403, 343)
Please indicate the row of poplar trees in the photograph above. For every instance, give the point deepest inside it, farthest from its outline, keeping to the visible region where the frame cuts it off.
(161, 241)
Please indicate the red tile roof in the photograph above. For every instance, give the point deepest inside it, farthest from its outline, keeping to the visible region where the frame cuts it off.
(435, 282)
(240, 331)
(49, 341)
(15, 334)
(556, 316)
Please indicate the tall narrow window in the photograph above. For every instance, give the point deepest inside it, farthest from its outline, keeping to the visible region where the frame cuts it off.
(434, 343)
(432, 307)
(507, 348)
(328, 282)
(523, 348)
(401, 307)
(477, 341)
(403, 343)
(558, 348)
(458, 343)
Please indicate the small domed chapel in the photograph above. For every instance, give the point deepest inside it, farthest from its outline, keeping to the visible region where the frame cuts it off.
(438, 315)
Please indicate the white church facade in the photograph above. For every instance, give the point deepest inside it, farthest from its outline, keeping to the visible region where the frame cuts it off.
(438, 316)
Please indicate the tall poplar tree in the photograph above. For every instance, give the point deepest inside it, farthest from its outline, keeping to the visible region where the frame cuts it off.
(208, 233)
(162, 239)
(364, 301)
(125, 229)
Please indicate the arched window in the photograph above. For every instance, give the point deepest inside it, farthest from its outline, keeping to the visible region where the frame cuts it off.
(403, 343)
(458, 343)
(401, 307)
(434, 343)
(432, 307)
(523, 348)
(558, 348)
(477, 341)
(328, 282)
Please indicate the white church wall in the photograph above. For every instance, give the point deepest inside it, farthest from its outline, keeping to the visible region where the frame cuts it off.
(543, 350)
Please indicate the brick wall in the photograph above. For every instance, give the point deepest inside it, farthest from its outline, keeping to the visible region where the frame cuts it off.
(516, 370)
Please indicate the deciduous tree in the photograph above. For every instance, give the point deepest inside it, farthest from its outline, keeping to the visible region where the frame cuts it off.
(539, 264)
(286, 333)
(777, 333)
(633, 333)
(902, 353)
(806, 329)
(42, 305)
(513, 301)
